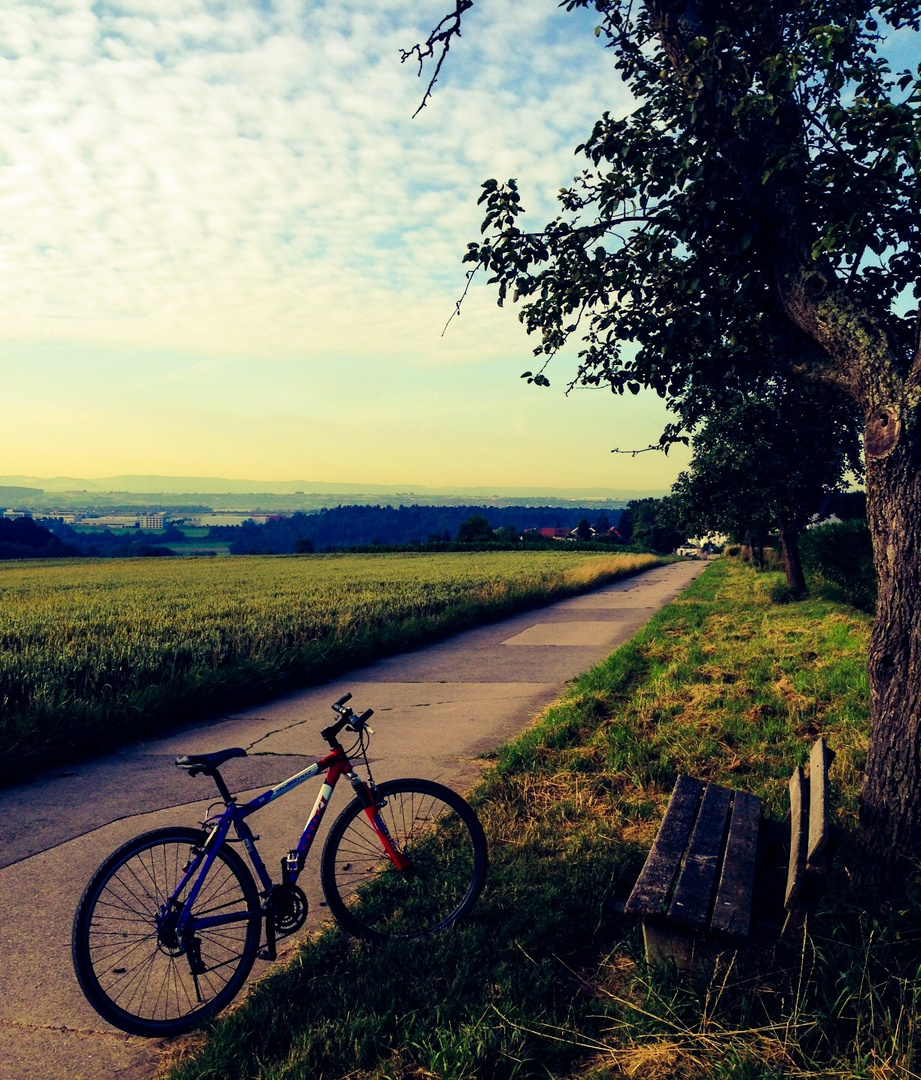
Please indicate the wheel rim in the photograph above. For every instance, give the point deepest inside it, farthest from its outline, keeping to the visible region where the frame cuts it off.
(145, 972)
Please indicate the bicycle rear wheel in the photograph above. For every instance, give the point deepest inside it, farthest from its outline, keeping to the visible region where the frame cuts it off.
(440, 835)
(132, 969)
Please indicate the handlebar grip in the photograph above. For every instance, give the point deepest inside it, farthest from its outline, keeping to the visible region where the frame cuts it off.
(342, 701)
(359, 721)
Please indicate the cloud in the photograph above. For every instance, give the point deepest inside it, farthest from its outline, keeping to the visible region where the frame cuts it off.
(168, 160)
(246, 181)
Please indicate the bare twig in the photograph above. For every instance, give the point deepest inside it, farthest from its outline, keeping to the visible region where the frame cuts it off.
(460, 300)
(633, 453)
(438, 41)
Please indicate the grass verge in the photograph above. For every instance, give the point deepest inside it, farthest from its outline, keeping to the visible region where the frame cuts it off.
(97, 653)
(543, 980)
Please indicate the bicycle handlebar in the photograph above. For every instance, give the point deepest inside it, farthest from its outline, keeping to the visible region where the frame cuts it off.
(347, 719)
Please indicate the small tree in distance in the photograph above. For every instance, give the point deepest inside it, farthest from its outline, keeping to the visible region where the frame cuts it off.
(475, 530)
(584, 530)
(768, 461)
(651, 524)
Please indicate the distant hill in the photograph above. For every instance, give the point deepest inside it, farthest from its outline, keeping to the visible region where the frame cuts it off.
(195, 486)
(11, 495)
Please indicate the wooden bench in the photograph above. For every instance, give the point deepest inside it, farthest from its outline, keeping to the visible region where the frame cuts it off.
(714, 855)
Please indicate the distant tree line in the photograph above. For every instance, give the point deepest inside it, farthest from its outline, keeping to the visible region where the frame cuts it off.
(112, 544)
(23, 538)
(344, 527)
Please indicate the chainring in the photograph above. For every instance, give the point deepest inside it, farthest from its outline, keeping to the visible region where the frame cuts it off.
(288, 909)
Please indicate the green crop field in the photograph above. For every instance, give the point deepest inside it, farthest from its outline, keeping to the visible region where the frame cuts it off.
(94, 653)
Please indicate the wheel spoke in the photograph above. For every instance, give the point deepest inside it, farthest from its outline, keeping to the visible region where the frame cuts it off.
(439, 835)
(141, 980)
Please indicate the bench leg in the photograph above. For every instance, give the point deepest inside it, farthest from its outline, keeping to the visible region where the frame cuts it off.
(667, 945)
(672, 945)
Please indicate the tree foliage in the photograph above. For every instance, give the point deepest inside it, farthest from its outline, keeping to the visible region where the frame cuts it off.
(24, 538)
(757, 215)
(651, 524)
(757, 210)
(341, 527)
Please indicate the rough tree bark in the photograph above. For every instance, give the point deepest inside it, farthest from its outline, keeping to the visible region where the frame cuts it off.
(891, 797)
(753, 549)
(792, 564)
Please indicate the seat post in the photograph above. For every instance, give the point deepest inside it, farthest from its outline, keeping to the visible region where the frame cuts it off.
(221, 786)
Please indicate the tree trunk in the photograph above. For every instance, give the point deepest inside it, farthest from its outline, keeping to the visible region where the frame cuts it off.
(754, 549)
(793, 567)
(890, 810)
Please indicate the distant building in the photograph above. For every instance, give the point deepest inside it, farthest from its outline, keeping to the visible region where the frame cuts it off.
(231, 517)
(147, 522)
(818, 519)
(112, 521)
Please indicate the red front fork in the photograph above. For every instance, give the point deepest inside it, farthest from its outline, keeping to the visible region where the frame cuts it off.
(398, 859)
(338, 764)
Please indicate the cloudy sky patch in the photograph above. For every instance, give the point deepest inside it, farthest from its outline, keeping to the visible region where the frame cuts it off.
(224, 212)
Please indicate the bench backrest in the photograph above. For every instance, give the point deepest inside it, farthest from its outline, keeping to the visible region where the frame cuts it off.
(808, 821)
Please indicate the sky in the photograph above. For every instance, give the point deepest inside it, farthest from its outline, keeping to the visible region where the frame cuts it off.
(228, 248)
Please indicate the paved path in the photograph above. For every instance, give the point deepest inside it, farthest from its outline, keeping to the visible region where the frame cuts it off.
(437, 710)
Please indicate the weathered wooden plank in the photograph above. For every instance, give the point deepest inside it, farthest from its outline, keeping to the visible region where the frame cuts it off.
(733, 905)
(691, 901)
(799, 837)
(819, 760)
(653, 887)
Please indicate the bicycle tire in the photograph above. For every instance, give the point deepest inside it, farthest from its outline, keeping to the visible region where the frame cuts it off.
(437, 831)
(127, 974)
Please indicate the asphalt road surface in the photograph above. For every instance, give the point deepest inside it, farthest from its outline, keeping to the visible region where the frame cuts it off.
(438, 710)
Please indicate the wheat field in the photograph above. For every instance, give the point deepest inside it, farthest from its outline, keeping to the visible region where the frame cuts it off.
(94, 653)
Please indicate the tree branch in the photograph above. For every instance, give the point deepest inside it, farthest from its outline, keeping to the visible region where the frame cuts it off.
(459, 302)
(633, 453)
(439, 40)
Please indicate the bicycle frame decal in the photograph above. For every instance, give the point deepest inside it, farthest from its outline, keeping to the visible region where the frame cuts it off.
(313, 822)
(283, 788)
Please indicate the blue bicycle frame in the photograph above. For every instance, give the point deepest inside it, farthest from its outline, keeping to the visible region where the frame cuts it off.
(336, 764)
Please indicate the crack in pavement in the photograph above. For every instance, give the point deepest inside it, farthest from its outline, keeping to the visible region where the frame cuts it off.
(275, 731)
(63, 1029)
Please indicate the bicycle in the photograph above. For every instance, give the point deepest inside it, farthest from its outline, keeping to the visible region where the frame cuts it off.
(170, 924)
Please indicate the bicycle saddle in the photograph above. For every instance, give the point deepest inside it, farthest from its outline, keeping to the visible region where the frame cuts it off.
(207, 762)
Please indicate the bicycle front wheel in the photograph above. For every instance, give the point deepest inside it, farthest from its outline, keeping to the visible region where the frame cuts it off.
(442, 839)
(132, 965)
